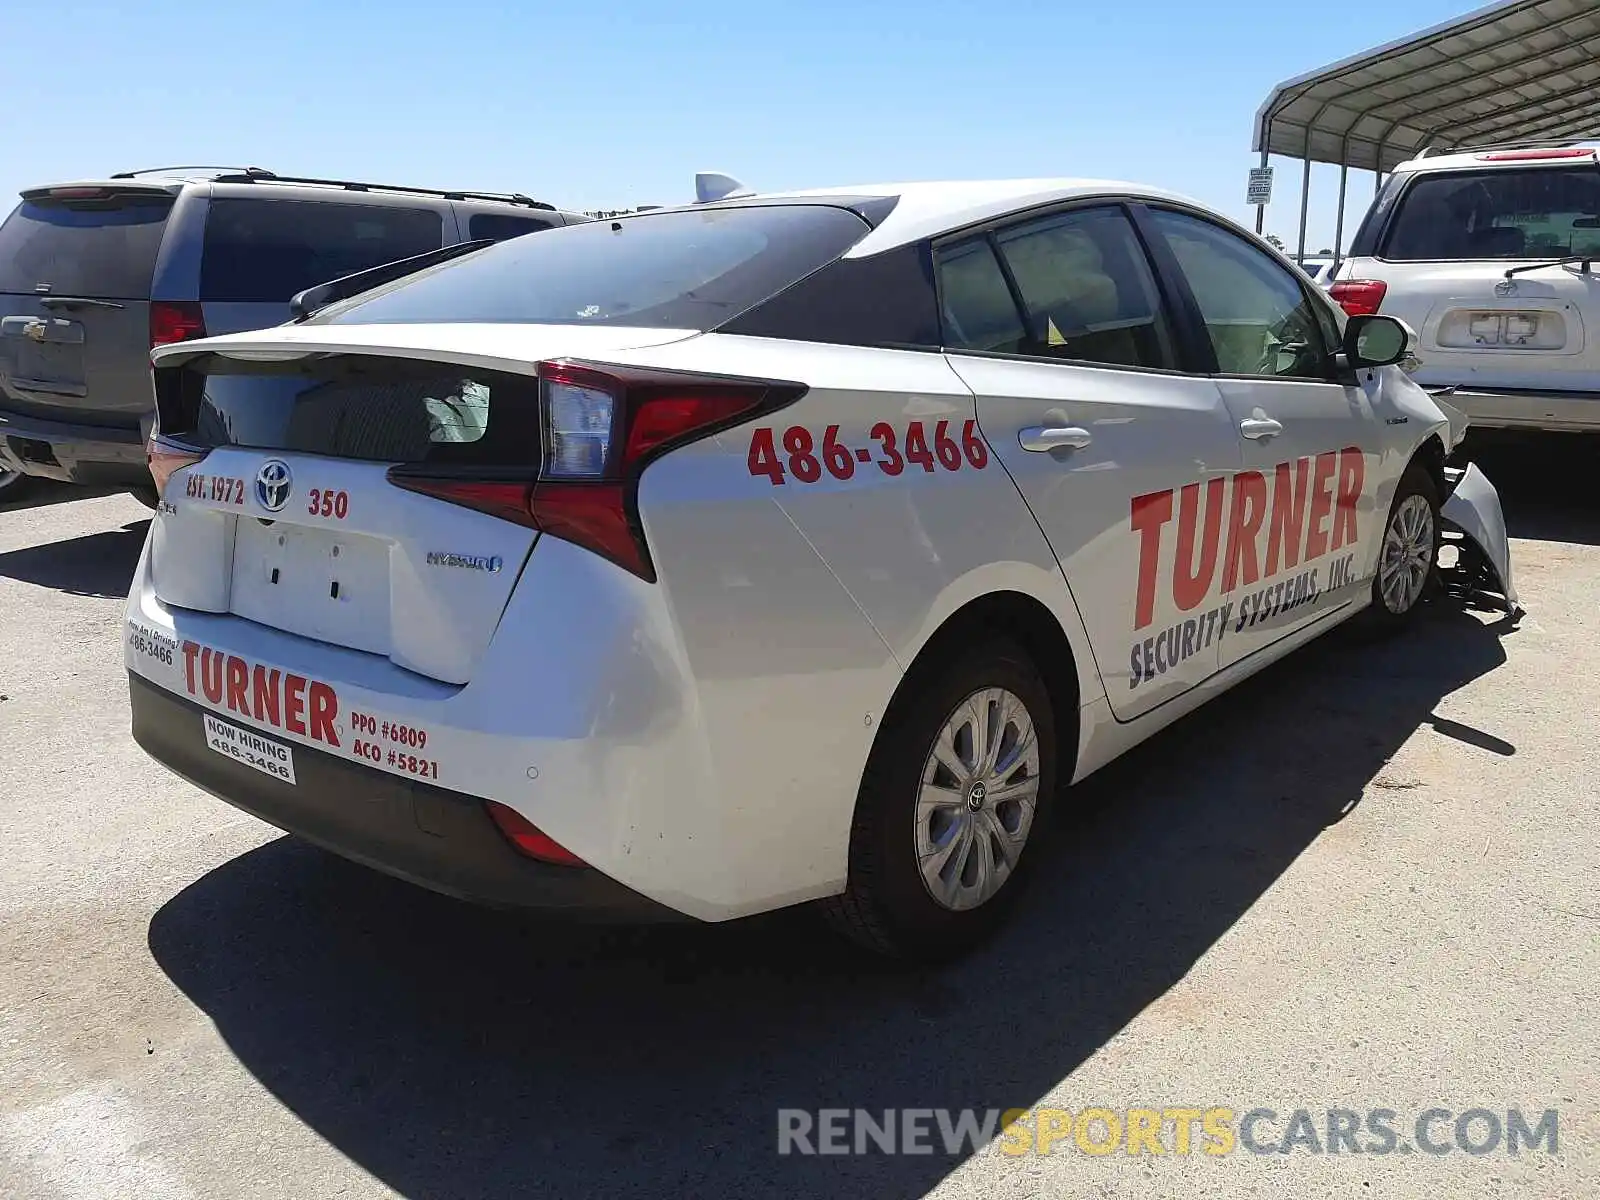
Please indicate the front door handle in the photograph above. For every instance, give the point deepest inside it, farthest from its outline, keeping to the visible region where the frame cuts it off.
(1041, 438)
(1257, 428)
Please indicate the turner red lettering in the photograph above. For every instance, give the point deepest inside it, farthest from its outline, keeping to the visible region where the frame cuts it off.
(1321, 504)
(266, 695)
(238, 685)
(190, 650)
(211, 675)
(1288, 514)
(1150, 513)
(1352, 473)
(294, 703)
(324, 707)
(1190, 583)
(1244, 526)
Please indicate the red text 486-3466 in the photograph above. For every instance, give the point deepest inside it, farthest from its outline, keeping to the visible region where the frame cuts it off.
(796, 452)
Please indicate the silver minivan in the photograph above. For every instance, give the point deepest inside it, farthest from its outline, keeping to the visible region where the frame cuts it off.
(95, 273)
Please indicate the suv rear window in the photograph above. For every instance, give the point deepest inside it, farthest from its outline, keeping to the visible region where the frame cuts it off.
(368, 407)
(100, 248)
(1503, 213)
(267, 250)
(682, 269)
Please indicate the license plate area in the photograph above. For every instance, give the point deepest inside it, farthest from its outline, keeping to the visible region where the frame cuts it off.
(246, 746)
(328, 584)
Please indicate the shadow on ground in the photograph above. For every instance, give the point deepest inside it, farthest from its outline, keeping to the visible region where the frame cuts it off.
(41, 493)
(1549, 483)
(96, 564)
(456, 1053)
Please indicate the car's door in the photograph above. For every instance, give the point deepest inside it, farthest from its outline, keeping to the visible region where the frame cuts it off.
(1058, 326)
(1303, 520)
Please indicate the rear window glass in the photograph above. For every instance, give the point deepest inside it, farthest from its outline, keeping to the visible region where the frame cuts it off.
(267, 250)
(105, 249)
(356, 406)
(1504, 213)
(502, 227)
(686, 269)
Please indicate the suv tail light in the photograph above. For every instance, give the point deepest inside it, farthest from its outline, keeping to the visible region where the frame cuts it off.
(601, 428)
(175, 321)
(1358, 297)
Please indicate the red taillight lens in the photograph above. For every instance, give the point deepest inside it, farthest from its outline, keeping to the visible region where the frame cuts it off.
(529, 839)
(175, 321)
(601, 428)
(1359, 297)
(166, 457)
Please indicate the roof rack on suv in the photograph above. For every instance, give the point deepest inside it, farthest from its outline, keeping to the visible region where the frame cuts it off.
(211, 169)
(1519, 144)
(253, 175)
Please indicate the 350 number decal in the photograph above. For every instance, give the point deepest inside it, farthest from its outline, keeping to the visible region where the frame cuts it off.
(795, 451)
(325, 502)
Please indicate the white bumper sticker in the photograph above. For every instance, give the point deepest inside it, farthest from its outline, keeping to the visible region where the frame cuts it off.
(253, 750)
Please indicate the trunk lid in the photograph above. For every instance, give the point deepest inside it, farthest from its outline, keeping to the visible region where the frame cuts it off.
(76, 262)
(290, 520)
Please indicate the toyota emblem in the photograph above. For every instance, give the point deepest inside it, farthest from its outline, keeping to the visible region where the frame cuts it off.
(272, 484)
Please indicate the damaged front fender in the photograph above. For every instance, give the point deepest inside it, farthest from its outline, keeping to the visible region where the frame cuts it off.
(1475, 527)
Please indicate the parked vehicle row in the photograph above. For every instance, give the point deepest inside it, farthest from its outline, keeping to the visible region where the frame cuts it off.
(96, 272)
(781, 548)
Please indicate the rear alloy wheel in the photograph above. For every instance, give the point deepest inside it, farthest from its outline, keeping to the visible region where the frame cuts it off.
(952, 806)
(1408, 557)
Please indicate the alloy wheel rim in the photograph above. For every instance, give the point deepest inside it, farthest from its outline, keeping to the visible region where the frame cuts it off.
(978, 795)
(1407, 555)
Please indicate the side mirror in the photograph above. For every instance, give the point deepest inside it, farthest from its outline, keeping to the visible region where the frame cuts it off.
(1376, 341)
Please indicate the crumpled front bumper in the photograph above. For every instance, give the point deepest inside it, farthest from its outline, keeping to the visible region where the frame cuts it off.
(1476, 527)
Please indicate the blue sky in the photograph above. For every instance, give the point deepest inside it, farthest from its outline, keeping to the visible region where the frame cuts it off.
(617, 104)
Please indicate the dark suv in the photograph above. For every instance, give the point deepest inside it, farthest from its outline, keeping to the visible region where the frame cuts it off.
(95, 273)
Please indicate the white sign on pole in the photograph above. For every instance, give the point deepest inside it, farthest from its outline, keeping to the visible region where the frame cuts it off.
(1259, 190)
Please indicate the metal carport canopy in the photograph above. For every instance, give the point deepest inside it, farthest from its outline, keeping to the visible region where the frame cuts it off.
(1517, 70)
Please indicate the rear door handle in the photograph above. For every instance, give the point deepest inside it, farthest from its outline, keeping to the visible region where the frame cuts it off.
(1257, 428)
(1041, 438)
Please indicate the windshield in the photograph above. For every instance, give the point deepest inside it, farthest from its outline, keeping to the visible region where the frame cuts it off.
(1501, 214)
(684, 269)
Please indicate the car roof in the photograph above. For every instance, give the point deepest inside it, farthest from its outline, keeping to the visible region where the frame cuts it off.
(925, 210)
(1552, 154)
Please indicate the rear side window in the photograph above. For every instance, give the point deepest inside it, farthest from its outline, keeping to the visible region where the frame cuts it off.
(1504, 213)
(978, 310)
(267, 250)
(355, 406)
(501, 227)
(681, 269)
(102, 248)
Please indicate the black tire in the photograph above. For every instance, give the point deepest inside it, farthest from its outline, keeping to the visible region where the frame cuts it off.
(886, 906)
(13, 484)
(147, 496)
(1383, 617)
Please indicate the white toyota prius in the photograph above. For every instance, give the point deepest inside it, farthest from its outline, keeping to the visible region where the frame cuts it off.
(777, 549)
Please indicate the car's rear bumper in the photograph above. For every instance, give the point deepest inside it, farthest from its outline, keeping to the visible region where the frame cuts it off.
(73, 453)
(427, 835)
(1505, 408)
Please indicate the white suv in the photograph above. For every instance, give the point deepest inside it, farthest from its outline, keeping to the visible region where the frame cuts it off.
(1489, 255)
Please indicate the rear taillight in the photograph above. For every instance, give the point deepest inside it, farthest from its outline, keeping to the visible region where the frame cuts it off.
(175, 321)
(529, 839)
(601, 428)
(1358, 297)
(166, 457)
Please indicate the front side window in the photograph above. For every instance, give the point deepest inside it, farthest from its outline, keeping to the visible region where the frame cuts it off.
(1257, 315)
(1505, 213)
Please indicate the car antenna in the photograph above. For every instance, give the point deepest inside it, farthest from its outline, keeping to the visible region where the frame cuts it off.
(711, 186)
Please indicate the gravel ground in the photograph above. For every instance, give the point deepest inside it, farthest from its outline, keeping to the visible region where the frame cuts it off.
(1366, 879)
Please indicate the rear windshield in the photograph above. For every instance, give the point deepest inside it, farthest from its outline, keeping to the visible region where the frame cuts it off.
(1540, 212)
(103, 248)
(267, 250)
(686, 269)
(355, 406)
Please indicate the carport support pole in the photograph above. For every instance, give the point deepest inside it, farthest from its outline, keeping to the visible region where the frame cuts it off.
(1338, 224)
(1261, 209)
(1305, 196)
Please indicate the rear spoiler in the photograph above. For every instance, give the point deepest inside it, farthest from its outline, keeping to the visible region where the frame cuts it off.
(307, 302)
(90, 191)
